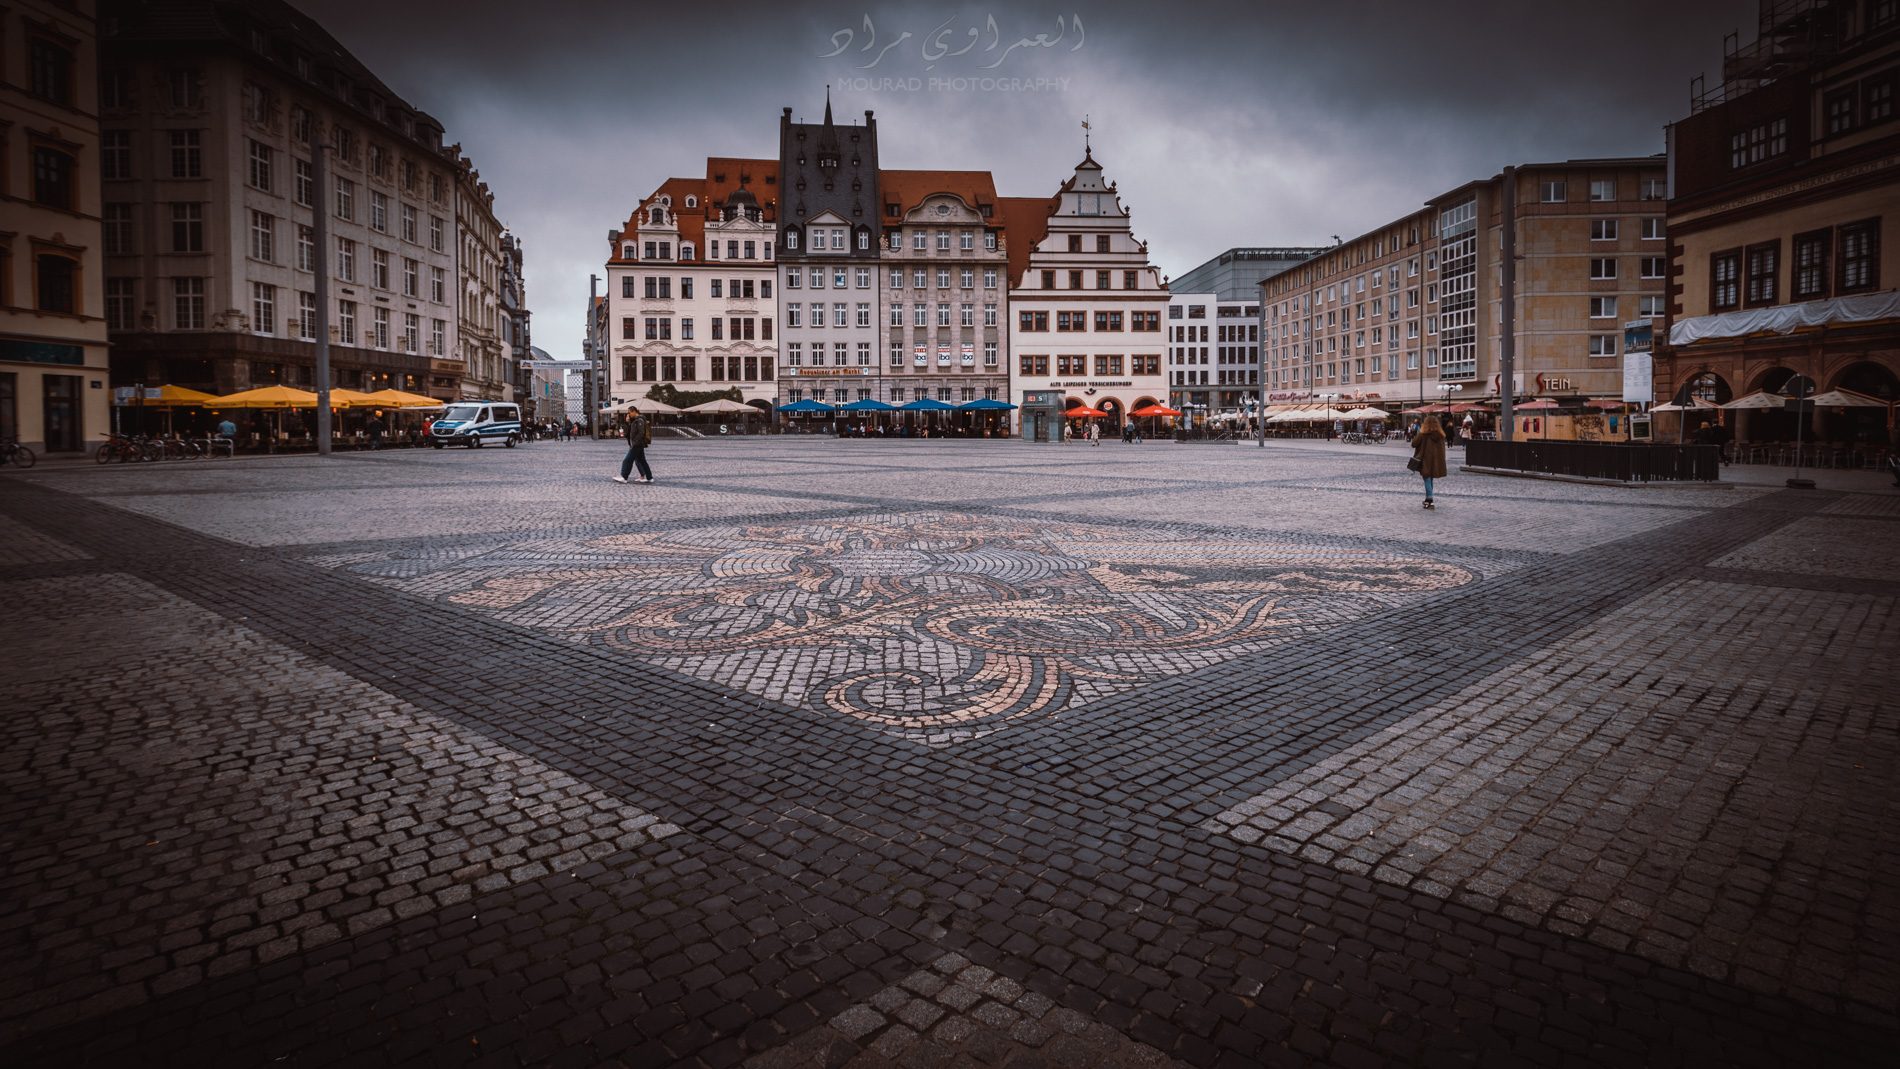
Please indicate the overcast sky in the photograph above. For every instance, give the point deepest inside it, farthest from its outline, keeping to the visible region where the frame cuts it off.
(1223, 124)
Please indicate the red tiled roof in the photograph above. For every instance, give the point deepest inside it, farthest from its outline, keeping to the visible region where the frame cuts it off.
(761, 180)
(1025, 223)
(907, 189)
(692, 224)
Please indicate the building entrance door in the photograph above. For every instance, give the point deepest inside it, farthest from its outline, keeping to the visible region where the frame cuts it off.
(64, 434)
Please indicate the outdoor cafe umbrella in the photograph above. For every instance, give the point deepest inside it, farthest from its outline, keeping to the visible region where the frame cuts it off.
(805, 404)
(394, 398)
(1078, 412)
(275, 398)
(1759, 399)
(985, 404)
(1367, 412)
(1545, 405)
(647, 406)
(868, 404)
(721, 405)
(1845, 399)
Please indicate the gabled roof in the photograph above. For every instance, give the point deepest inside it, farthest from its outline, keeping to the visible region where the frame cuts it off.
(692, 223)
(908, 189)
(1025, 222)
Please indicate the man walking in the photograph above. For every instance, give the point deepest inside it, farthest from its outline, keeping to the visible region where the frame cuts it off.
(639, 436)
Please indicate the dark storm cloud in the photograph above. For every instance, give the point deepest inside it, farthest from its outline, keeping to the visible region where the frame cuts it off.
(1223, 124)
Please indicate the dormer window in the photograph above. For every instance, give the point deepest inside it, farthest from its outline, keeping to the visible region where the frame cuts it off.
(656, 217)
(627, 251)
(692, 201)
(686, 247)
(791, 239)
(667, 200)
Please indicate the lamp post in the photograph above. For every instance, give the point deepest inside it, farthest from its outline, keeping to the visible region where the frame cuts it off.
(1798, 389)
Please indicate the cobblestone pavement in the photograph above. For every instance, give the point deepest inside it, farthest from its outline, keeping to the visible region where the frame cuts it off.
(940, 753)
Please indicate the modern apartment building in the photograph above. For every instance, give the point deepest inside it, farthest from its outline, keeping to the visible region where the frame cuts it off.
(207, 114)
(1086, 315)
(1193, 376)
(1235, 275)
(946, 285)
(54, 394)
(1784, 220)
(830, 237)
(690, 287)
(1414, 309)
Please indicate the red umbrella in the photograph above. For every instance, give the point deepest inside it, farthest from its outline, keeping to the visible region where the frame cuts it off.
(1605, 403)
(1471, 407)
(1536, 406)
(1084, 412)
(1155, 410)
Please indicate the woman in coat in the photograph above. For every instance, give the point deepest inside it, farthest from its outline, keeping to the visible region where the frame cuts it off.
(1428, 448)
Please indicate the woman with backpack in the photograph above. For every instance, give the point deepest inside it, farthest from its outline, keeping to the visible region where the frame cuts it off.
(1428, 454)
(639, 436)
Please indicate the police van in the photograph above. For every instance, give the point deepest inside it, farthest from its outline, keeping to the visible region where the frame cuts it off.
(470, 423)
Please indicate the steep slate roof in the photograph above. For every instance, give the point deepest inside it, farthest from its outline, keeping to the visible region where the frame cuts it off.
(907, 189)
(1025, 223)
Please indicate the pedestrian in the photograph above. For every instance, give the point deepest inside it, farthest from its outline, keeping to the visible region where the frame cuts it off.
(376, 429)
(1095, 434)
(1469, 429)
(639, 436)
(1428, 454)
(227, 430)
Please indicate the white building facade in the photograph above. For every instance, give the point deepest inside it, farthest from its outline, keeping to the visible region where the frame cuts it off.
(1087, 315)
(1192, 374)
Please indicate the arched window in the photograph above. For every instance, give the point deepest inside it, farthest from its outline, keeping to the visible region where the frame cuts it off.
(692, 201)
(656, 217)
(626, 251)
(686, 247)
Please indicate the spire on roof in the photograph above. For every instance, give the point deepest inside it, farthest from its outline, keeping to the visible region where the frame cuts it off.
(827, 105)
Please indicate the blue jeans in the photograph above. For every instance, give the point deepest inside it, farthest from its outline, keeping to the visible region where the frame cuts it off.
(1428, 488)
(635, 455)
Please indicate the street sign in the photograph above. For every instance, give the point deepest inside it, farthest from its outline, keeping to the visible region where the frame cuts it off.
(555, 365)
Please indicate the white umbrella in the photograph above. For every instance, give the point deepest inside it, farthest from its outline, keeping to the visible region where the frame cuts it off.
(1367, 412)
(723, 405)
(1846, 399)
(646, 405)
(1758, 399)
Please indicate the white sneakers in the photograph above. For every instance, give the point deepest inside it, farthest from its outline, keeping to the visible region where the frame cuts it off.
(618, 479)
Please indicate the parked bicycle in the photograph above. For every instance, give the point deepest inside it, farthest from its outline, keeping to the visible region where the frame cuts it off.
(21, 456)
(123, 448)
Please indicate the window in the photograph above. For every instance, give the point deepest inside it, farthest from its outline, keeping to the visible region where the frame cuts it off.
(1602, 189)
(920, 314)
(1876, 97)
(793, 313)
(966, 240)
(1070, 322)
(380, 333)
(1075, 243)
(967, 314)
(1075, 280)
(989, 315)
(53, 177)
(185, 92)
(1149, 322)
(966, 278)
(346, 259)
(989, 278)
(379, 268)
(1860, 257)
(1841, 110)
(345, 199)
(1034, 365)
(1032, 322)
(1653, 228)
(989, 354)
(943, 278)
(1810, 279)
(838, 278)
(263, 234)
(409, 223)
(116, 228)
(187, 154)
(438, 285)
(56, 283)
(1653, 189)
(50, 69)
(897, 315)
(301, 181)
(119, 303)
(1763, 264)
(863, 278)
(306, 314)
(188, 303)
(1650, 306)
(437, 328)
(346, 322)
(864, 239)
(1101, 280)
(1725, 271)
(1109, 321)
(1602, 268)
(989, 241)
(115, 154)
(188, 228)
(1654, 266)
(1602, 230)
(263, 308)
(435, 233)
(410, 287)
(629, 328)
(378, 212)
(260, 166)
(1130, 280)
(1603, 308)
(1602, 345)
(864, 313)
(943, 314)
(1552, 191)
(1757, 143)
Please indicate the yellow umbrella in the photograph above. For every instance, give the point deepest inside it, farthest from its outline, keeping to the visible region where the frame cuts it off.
(394, 398)
(179, 397)
(344, 398)
(266, 397)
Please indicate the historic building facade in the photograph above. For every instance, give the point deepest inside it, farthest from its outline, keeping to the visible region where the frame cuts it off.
(1086, 316)
(946, 281)
(54, 302)
(829, 259)
(1784, 221)
(1414, 310)
(209, 194)
(691, 287)
(516, 345)
(478, 287)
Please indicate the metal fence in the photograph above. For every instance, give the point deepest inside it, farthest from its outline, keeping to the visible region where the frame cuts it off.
(1633, 463)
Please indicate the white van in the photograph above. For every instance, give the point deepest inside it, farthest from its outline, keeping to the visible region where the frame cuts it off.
(471, 423)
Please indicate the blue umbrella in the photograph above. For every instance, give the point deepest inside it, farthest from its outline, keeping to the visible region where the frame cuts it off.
(987, 404)
(927, 404)
(805, 405)
(867, 404)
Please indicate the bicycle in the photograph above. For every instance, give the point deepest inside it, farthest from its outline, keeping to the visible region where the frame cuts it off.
(122, 448)
(21, 456)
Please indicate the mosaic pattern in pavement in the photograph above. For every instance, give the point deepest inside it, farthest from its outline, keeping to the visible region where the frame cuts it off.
(932, 626)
